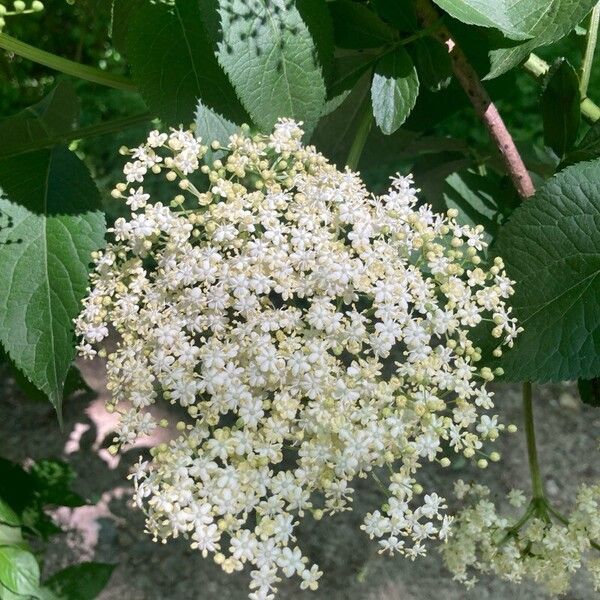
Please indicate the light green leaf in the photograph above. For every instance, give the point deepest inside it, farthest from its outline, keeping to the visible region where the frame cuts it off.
(19, 571)
(10, 536)
(7, 515)
(560, 105)
(84, 581)
(50, 223)
(551, 247)
(356, 26)
(394, 90)
(268, 53)
(173, 64)
(211, 126)
(558, 18)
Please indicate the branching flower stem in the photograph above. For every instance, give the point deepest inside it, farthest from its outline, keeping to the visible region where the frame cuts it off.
(485, 108)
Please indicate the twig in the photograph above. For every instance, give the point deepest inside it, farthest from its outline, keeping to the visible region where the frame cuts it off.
(481, 101)
(591, 38)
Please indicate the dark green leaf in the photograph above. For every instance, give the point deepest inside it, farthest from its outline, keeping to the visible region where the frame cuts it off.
(173, 63)
(432, 62)
(394, 90)
(84, 581)
(589, 146)
(551, 247)
(19, 571)
(553, 19)
(399, 13)
(315, 15)
(356, 26)
(347, 71)
(560, 106)
(49, 118)
(268, 53)
(17, 488)
(51, 222)
(589, 391)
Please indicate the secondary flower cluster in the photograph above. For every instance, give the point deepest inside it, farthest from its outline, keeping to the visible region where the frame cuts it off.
(313, 332)
(542, 545)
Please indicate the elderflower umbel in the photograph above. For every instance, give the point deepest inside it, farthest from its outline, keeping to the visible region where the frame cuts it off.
(542, 545)
(314, 332)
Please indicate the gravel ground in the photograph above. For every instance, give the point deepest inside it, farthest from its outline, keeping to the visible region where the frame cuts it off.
(110, 530)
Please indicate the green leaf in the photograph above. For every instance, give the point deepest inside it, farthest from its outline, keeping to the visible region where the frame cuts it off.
(7, 515)
(560, 106)
(173, 64)
(268, 53)
(53, 116)
(399, 13)
(551, 247)
(348, 70)
(518, 19)
(394, 90)
(589, 391)
(557, 19)
(19, 571)
(432, 62)
(52, 480)
(315, 15)
(211, 126)
(356, 26)
(10, 536)
(589, 146)
(84, 581)
(51, 222)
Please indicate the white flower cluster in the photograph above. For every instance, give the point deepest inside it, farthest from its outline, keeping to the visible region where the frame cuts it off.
(542, 545)
(313, 332)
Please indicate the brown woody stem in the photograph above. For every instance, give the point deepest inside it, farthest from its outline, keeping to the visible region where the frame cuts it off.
(485, 108)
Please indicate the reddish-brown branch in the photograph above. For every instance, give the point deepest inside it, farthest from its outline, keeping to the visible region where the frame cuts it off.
(485, 108)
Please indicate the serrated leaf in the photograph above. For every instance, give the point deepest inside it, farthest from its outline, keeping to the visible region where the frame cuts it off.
(211, 126)
(560, 106)
(51, 222)
(173, 64)
(83, 581)
(51, 117)
(356, 26)
(19, 571)
(551, 247)
(515, 18)
(558, 18)
(394, 90)
(315, 15)
(589, 391)
(432, 62)
(268, 53)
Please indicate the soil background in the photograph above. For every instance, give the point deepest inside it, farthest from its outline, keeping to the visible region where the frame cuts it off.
(110, 530)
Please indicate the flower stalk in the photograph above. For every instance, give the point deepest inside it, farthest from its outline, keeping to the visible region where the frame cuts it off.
(64, 65)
